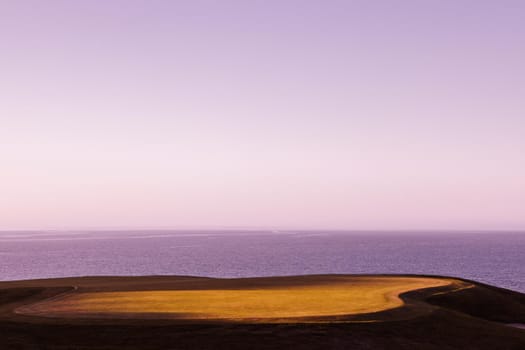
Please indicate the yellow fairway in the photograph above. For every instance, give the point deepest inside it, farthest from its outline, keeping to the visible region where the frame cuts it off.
(343, 296)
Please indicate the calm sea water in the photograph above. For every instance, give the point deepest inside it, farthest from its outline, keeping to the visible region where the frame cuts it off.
(494, 258)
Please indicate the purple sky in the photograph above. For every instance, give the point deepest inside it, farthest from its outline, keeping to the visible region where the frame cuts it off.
(286, 114)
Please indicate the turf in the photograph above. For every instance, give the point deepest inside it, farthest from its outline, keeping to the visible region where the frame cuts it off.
(456, 314)
(340, 296)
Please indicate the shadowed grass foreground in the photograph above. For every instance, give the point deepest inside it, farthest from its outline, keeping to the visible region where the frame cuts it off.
(114, 313)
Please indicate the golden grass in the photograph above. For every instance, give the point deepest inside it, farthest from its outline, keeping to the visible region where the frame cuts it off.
(344, 296)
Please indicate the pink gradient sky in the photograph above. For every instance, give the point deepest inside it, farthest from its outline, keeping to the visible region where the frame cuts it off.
(279, 114)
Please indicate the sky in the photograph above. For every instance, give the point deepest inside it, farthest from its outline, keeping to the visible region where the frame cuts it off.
(262, 114)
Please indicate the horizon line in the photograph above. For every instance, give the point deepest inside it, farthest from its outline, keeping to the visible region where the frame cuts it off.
(267, 229)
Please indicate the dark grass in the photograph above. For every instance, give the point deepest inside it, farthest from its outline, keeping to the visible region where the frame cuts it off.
(469, 319)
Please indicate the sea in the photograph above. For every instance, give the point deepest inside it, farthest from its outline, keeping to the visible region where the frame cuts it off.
(496, 258)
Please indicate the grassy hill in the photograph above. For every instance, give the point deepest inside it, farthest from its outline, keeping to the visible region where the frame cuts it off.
(432, 313)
